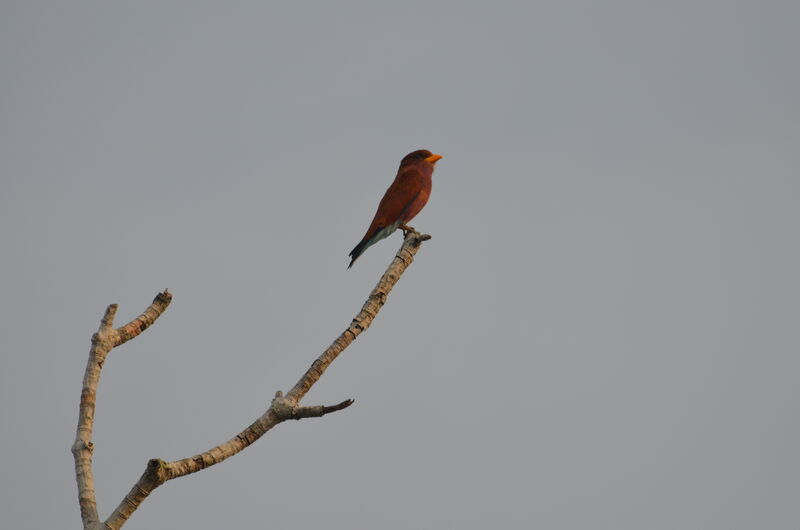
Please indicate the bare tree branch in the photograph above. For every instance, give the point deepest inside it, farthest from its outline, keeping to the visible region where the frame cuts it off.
(362, 321)
(103, 342)
(282, 407)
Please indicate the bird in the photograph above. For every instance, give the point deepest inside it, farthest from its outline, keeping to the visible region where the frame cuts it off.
(402, 201)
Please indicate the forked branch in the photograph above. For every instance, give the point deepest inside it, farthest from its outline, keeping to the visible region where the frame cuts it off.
(281, 408)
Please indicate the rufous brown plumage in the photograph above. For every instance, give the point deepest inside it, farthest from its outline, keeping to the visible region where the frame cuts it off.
(404, 199)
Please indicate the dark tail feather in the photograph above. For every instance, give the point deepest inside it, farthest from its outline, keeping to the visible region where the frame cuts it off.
(369, 240)
(356, 252)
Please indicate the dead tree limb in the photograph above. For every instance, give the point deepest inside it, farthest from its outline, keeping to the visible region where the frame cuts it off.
(282, 407)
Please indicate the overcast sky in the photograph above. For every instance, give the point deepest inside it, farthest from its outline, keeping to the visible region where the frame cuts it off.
(603, 332)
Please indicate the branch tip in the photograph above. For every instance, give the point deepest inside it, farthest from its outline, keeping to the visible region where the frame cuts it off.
(108, 318)
(155, 463)
(344, 404)
(164, 297)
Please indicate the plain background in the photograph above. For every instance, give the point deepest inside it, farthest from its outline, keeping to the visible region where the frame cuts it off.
(603, 332)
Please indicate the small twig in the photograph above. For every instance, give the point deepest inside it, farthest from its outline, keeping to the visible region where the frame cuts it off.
(288, 411)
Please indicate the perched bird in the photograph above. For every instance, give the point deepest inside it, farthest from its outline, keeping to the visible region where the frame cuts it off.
(402, 201)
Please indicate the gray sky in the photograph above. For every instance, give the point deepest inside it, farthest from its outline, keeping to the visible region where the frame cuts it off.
(602, 333)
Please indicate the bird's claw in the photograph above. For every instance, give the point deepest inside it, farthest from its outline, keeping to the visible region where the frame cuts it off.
(406, 229)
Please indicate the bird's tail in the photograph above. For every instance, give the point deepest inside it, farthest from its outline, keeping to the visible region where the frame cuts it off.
(356, 252)
(369, 240)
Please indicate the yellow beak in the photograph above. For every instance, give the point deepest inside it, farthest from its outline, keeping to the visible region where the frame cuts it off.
(433, 159)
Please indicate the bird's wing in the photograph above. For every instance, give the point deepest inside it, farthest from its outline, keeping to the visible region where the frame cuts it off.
(405, 188)
(398, 198)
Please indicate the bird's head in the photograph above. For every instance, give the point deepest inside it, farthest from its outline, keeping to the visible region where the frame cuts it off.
(422, 155)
